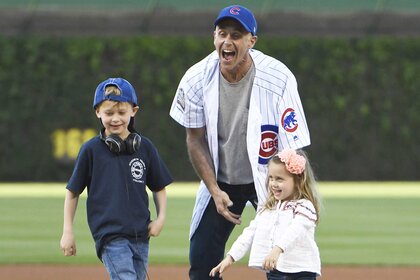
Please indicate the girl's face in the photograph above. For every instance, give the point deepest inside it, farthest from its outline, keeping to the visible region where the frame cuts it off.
(232, 43)
(116, 116)
(281, 182)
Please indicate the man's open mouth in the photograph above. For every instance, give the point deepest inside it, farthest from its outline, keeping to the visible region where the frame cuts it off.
(228, 55)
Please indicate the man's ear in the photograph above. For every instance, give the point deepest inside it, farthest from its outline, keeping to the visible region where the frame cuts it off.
(253, 41)
(97, 113)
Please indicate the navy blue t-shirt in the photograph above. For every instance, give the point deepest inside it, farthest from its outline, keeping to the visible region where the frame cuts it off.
(117, 201)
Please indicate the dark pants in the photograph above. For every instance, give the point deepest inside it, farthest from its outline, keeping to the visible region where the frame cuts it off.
(278, 275)
(207, 245)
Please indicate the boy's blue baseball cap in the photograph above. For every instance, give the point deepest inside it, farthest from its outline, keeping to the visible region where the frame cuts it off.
(128, 94)
(241, 14)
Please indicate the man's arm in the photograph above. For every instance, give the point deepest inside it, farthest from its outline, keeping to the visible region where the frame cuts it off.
(200, 158)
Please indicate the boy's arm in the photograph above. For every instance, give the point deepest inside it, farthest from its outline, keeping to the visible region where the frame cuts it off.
(156, 226)
(67, 242)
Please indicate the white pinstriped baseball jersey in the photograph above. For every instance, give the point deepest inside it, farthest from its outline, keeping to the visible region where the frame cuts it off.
(276, 119)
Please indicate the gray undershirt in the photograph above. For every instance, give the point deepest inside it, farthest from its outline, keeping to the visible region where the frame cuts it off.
(234, 165)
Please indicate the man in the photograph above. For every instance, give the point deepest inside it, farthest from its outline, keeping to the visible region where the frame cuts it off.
(239, 106)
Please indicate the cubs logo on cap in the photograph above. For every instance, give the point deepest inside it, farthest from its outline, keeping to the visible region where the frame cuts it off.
(243, 15)
(269, 143)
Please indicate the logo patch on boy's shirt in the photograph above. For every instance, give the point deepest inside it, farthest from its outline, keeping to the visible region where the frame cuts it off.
(269, 143)
(288, 120)
(137, 168)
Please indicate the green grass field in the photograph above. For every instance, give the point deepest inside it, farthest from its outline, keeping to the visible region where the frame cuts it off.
(361, 224)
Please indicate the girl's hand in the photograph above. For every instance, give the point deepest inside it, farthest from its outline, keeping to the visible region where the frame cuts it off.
(221, 267)
(270, 261)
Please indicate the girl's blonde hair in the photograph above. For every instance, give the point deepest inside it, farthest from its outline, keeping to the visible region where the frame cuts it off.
(305, 184)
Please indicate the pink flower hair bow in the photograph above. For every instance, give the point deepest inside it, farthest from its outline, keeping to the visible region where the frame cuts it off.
(295, 163)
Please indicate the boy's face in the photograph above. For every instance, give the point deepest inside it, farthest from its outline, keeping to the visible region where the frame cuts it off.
(116, 116)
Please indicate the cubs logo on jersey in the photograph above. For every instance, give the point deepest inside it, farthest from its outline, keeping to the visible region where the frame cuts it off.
(288, 120)
(269, 143)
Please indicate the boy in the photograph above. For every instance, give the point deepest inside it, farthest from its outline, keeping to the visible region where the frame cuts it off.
(116, 166)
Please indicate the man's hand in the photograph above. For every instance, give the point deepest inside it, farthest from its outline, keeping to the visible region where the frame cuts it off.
(222, 201)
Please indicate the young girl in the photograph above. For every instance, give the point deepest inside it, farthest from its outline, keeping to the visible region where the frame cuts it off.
(281, 236)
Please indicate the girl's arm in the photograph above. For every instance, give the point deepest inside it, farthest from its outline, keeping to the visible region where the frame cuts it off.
(221, 267)
(67, 242)
(243, 243)
(156, 226)
(271, 259)
(239, 248)
(305, 219)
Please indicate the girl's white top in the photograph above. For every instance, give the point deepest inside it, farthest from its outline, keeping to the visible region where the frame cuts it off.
(291, 226)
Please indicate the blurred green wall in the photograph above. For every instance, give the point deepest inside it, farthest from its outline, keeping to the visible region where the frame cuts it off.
(361, 98)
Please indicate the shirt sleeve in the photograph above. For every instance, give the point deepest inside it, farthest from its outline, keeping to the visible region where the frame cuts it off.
(243, 243)
(80, 177)
(304, 219)
(187, 107)
(293, 129)
(158, 176)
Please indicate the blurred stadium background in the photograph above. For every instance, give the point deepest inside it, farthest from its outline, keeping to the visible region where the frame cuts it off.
(277, 18)
(357, 64)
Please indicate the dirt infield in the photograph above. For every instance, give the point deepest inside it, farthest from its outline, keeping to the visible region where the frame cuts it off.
(53, 272)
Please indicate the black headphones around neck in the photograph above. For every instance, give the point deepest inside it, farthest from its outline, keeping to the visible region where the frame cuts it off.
(116, 145)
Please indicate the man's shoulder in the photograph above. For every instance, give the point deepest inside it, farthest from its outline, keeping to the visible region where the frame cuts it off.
(198, 70)
(263, 62)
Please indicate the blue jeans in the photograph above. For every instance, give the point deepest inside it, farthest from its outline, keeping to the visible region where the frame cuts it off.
(125, 259)
(278, 275)
(207, 245)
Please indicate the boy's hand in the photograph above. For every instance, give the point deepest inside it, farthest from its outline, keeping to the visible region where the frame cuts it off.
(68, 244)
(221, 267)
(270, 261)
(155, 227)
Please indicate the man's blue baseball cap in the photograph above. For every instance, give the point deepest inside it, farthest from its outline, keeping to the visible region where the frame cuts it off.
(128, 94)
(241, 14)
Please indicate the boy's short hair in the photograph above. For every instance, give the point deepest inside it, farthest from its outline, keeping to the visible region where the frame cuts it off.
(128, 94)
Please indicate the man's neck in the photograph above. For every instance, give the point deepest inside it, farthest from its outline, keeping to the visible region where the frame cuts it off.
(235, 75)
